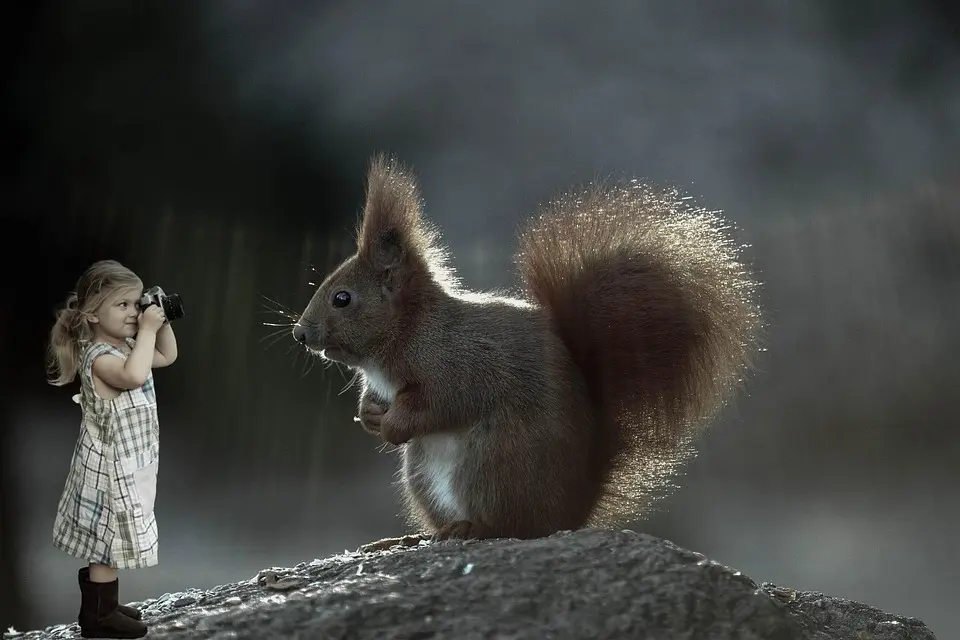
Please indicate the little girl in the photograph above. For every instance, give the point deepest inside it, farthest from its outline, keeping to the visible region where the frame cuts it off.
(105, 515)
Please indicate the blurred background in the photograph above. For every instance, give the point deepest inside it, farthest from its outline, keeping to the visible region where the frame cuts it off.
(219, 150)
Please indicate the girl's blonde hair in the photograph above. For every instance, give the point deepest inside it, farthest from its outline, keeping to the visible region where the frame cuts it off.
(72, 327)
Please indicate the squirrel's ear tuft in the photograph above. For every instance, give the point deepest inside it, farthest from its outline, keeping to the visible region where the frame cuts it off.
(391, 213)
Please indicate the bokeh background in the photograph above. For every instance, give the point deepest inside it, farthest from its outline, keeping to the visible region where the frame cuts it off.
(219, 149)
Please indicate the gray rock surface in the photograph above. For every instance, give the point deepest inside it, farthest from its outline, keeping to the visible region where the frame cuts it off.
(584, 584)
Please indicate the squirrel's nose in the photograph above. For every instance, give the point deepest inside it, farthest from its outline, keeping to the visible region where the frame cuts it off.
(302, 333)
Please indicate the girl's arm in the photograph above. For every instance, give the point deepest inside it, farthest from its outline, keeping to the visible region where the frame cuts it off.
(132, 372)
(165, 352)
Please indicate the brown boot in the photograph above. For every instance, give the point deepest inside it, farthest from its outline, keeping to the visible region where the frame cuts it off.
(84, 574)
(100, 616)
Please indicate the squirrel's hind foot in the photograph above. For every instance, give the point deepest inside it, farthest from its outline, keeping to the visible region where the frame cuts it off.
(456, 530)
(462, 530)
(388, 543)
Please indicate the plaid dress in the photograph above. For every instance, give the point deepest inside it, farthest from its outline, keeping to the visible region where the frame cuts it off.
(105, 514)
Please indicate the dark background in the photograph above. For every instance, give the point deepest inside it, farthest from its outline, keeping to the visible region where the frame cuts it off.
(219, 149)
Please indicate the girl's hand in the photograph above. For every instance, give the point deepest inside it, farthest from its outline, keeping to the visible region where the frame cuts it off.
(151, 318)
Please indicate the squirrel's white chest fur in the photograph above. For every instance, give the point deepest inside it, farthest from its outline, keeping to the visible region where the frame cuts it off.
(440, 453)
(378, 384)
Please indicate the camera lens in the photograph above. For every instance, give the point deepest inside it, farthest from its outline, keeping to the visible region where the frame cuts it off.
(172, 306)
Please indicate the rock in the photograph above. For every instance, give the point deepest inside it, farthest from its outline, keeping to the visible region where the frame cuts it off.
(585, 584)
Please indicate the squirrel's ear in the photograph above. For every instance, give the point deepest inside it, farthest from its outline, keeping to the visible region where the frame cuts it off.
(389, 252)
(389, 255)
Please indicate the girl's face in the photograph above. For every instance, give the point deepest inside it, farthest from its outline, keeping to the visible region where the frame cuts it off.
(116, 319)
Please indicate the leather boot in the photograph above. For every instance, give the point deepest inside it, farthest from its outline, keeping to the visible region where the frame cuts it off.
(84, 574)
(100, 616)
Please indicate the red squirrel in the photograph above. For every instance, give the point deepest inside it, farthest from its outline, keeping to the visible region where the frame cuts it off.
(567, 406)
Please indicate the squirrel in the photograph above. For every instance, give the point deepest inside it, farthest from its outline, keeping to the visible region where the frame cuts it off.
(568, 405)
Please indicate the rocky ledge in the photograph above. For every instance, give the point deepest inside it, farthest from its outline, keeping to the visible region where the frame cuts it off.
(584, 584)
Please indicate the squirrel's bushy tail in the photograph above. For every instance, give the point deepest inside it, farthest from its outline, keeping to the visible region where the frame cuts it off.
(650, 297)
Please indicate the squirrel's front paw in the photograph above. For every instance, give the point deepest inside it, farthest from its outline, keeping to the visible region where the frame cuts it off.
(392, 432)
(371, 417)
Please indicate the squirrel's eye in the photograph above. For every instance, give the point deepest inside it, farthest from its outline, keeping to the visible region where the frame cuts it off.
(341, 299)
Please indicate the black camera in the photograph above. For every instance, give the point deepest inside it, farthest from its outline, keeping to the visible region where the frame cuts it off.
(170, 302)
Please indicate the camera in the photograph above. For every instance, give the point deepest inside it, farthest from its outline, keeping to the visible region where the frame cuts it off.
(170, 302)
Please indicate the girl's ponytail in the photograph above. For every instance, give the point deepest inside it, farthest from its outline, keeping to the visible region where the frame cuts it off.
(63, 351)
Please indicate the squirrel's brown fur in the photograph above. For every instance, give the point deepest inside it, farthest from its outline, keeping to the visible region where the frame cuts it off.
(572, 405)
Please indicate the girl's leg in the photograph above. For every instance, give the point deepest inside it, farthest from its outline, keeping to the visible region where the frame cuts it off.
(102, 573)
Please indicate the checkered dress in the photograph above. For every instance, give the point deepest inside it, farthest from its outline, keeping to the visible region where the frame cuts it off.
(105, 514)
